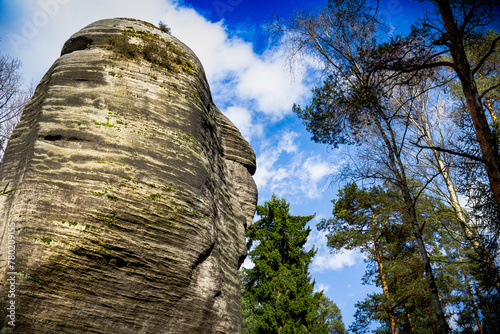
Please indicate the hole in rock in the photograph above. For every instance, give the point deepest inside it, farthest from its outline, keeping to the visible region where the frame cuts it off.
(76, 44)
(53, 137)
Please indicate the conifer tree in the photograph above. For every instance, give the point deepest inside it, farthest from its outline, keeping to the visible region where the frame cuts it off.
(279, 285)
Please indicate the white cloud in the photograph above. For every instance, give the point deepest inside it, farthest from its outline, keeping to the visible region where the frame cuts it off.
(321, 287)
(287, 142)
(261, 81)
(275, 95)
(338, 261)
(324, 259)
(316, 168)
(285, 169)
(247, 264)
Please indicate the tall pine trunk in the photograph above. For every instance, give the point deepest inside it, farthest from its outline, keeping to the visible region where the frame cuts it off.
(486, 138)
(385, 288)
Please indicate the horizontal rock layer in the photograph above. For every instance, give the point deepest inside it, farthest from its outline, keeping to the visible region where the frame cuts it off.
(133, 193)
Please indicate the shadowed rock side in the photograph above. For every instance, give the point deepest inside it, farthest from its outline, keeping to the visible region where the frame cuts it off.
(133, 194)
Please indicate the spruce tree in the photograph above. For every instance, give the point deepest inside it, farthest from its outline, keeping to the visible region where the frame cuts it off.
(279, 284)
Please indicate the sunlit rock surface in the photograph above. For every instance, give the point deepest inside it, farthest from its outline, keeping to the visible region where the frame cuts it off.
(133, 193)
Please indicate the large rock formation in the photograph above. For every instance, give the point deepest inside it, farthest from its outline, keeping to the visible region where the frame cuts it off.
(132, 194)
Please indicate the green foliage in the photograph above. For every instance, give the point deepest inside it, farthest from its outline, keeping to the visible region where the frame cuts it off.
(360, 102)
(163, 27)
(248, 306)
(332, 316)
(340, 36)
(362, 215)
(279, 287)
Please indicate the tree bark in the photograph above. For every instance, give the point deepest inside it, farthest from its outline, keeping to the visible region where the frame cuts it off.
(385, 288)
(486, 138)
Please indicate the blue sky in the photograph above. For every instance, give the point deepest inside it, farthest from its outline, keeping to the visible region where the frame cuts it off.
(251, 83)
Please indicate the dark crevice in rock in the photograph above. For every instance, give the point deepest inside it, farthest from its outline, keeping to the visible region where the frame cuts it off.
(52, 137)
(60, 137)
(250, 168)
(76, 44)
(204, 256)
(103, 259)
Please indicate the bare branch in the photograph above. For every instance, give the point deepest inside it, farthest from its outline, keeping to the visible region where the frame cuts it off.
(440, 149)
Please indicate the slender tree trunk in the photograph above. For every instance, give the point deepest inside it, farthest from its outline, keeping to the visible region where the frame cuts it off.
(471, 295)
(385, 288)
(486, 138)
(410, 322)
(399, 172)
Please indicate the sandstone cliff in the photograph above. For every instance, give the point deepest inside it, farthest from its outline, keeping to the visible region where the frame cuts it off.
(133, 193)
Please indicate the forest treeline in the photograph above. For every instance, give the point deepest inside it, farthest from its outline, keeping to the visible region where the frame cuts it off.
(420, 113)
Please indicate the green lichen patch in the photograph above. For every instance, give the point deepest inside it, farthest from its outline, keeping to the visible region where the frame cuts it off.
(105, 194)
(109, 219)
(35, 278)
(154, 196)
(142, 45)
(46, 240)
(112, 197)
(109, 125)
(188, 67)
(69, 223)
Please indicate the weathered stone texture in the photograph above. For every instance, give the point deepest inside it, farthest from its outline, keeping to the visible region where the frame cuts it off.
(133, 192)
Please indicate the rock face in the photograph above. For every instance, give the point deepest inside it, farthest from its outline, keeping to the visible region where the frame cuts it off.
(133, 193)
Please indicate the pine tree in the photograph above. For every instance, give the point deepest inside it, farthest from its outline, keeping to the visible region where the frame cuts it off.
(365, 219)
(374, 221)
(279, 285)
